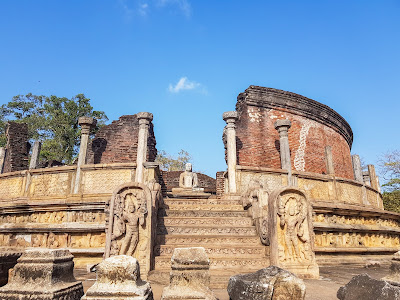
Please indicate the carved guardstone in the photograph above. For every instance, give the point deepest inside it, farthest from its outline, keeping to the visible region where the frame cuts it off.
(188, 185)
(189, 278)
(291, 232)
(118, 278)
(43, 274)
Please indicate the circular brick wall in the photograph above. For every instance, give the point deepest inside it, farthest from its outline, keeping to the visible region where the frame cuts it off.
(314, 126)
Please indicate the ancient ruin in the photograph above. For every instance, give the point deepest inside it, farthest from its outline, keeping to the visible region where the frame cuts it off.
(292, 195)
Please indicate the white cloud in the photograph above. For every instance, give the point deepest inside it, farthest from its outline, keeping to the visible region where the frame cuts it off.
(183, 84)
(143, 8)
(183, 5)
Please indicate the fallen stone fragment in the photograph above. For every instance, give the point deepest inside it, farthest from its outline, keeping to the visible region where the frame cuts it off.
(394, 275)
(268, 283)
(189, 278)
(43, 274)
(118, 277)
(366, 288)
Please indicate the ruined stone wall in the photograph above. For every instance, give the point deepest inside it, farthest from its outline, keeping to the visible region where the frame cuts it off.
(171, 180)
(17, 147)
(117, 142)
(314, 126)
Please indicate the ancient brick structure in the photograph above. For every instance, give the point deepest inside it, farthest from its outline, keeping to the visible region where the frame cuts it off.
(118, 142)
(314, 126)
(171, 180)
(220, 188)
(17, 147)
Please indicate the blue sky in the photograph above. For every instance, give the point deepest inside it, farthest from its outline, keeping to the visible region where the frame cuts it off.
(186, 61)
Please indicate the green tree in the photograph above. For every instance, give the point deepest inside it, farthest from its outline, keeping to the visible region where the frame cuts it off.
(169, 163)
(390, 169)
(52, 120)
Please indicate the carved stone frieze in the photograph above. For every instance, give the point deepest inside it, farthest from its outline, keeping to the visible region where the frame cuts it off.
(205, 221)
(356, 240)
(207, 230)
(234, 240)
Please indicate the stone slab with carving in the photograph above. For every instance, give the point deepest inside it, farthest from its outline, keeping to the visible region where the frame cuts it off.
(118, 277)
(267, 283)
(291, 232)
(43, 274)
(366, 288)
(189, 278)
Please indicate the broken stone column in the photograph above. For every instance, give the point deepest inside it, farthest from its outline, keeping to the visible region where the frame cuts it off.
(144, 122)
(394, 275)
(357, 169)
(267, 284)
(18, 147)
(2, 158)
(43, 274)
(189, 278)
(366, 178)
(230, 118)
(372, 177)
(86, 123)
(118, 277)
(35, 155)
(329, 161)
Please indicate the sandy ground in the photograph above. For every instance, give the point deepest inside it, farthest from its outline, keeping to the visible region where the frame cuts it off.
(331, 279)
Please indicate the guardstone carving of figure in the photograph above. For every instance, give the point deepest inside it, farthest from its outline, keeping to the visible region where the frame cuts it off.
(127, 214)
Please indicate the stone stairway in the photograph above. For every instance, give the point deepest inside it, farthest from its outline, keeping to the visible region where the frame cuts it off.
(222, 227)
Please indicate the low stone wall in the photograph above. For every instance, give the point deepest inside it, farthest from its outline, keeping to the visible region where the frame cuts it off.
(349, 222)
(38, 208)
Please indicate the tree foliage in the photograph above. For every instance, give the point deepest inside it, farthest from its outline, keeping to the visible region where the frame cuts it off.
(52, 120)
(390, 169)
(169, 163)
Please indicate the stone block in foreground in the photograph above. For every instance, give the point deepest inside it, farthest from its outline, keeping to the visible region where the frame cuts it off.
(268, 283)
(394, 275)
(189, 277)
(43, 274)
(118, 277)
(366, 288)
(8, 259)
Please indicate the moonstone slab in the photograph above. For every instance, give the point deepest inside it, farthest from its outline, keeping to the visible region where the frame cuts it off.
(268, 283)
(43, 274)
(118, 277)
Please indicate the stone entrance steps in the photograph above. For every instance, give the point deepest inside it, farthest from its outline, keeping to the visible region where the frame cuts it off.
(222, 227)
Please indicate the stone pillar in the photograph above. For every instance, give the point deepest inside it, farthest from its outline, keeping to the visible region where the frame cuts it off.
(372, 177)
(144, 122)
(118, 278)
(2, 158)
(357, 169)
(35, 155)
(230, 118)
(283, 126)
(86, 123)
(43, 274)
(329, 161)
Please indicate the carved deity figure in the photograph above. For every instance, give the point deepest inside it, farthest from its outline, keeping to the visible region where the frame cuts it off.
(188, 179)
(129, 212)
(292, 214)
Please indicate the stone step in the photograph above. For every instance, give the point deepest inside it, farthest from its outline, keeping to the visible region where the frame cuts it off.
(181, 201)
(250, 264)
(207, 230)
(201, 213)
(199, 221)
(212, 207)
(218, 250)
(205, 241)
(218, 278)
